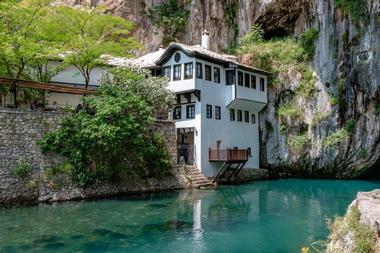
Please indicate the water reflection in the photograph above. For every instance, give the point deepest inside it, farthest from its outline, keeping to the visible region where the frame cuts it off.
(274, 216)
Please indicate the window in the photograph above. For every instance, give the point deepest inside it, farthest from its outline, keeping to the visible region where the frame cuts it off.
(232, 114)
(177, 112)
(199, 72)
(246, 116)
(177, 57)
(209, 111)
(253, 118)
(247, 81)
(217, 75)
(240, 78)
(208, 72)
(262, 84)
(190, 111)
(217, 112)
(189, 70)
(253, 81)
(239, 115)
(230, 77)
(177, 72)
(249, 152)
(167, 72)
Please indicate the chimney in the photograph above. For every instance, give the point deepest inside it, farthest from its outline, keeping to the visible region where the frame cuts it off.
(206, 39)
(162, 47)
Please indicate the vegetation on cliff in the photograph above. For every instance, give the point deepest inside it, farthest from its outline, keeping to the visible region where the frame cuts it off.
(171, 17)
(111, 134)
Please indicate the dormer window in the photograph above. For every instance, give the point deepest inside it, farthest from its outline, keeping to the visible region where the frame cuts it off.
(208, 73)
(177, 72)
(189, 70)
(167, 72)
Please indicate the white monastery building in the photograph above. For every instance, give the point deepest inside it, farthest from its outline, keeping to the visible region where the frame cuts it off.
(217, 105)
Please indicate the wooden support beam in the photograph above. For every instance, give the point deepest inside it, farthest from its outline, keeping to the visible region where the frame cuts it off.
(45, 86)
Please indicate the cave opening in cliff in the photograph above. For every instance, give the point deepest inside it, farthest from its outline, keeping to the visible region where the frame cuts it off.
(279, 32)
(372, 172)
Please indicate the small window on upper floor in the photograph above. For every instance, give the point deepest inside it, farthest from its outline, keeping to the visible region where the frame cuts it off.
(208, 73)
(239, 115)
(177, 112)
(217, 112)
(199, 71)
(230, 77)
(262, 84)
(189, 70)
(232, 114)
(177, 72)
(167, 72)
(216, 75)
(253, 119)
(246, 116)
(247, 80)
(240, 78)
(190, 111)
(209, 111)
(253, 81)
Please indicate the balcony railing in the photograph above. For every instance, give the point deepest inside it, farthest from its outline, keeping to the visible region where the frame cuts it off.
(228, 155)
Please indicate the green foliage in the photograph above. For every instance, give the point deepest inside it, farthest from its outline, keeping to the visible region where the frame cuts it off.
(350, 126)
(307, 40)
(336, 138)
(289, 109)
(171, 17)
(111, 134)
(231, 9)
(334, 100)
(22, 169)
(283, 128)
(364, 237)
(357, 9)
(319, 117)
(89, 34)
(281, 55)
(63, 168)
(298, 143)
(254, 35)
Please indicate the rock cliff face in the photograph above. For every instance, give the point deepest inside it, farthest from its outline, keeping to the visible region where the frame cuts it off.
(346, 67)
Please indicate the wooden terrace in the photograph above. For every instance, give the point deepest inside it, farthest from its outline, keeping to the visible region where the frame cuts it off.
(228, 155)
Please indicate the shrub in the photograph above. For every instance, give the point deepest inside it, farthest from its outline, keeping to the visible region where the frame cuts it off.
(22, 169)
(364, 237)
(357, 9)
(289, 109)
(298, 143)
(307, 40)
(111, 133)
(254, 35)
(350, 126)
(336, 138)
(318, 117)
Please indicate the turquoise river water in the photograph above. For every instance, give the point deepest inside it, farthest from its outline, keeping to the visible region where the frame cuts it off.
(266, 216)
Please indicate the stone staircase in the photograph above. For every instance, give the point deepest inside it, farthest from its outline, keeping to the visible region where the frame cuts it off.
(198, 180)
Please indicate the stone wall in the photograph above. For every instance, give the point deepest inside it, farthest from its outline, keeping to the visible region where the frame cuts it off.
(19, 132)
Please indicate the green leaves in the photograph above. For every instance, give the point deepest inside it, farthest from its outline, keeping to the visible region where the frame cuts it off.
(111, 133)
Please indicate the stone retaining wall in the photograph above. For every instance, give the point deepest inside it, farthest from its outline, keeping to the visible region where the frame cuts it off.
(19, 132)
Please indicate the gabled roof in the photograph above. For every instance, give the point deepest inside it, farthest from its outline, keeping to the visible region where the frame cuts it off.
(158, 58)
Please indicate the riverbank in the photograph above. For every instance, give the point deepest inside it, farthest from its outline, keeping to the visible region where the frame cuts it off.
(359, 229)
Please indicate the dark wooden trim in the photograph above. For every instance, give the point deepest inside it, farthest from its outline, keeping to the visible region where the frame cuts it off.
(45, 86)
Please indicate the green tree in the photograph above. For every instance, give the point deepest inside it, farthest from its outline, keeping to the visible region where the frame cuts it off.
(89, 34)
(20, 40)
(111, 134)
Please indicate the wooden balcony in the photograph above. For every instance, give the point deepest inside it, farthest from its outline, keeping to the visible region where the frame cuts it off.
(228, 155)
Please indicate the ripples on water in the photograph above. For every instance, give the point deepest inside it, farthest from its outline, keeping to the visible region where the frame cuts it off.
(269, 216)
